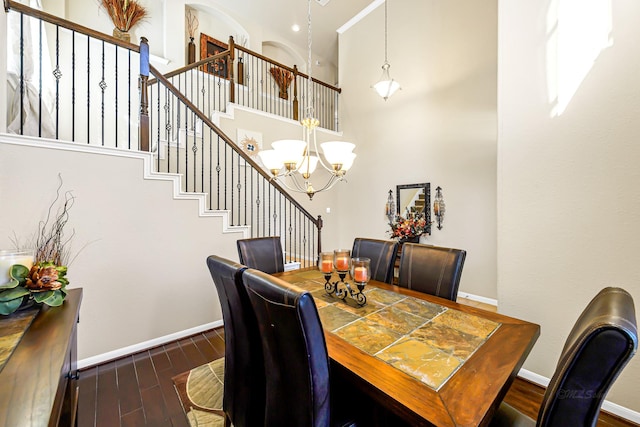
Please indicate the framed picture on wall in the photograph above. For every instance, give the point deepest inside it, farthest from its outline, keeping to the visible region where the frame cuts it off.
(251, 143)
(210, 47)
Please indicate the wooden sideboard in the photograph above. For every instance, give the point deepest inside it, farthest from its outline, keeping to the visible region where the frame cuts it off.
(38, 385)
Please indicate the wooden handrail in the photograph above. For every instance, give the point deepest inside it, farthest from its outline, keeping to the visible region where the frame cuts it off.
(286, 67)
(19, 7)
(164, 81)
(205, 61)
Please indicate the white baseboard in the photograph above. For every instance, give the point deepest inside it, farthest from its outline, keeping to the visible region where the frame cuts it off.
(125, 351)
(291, 266)
(610, 407)
(478, 298)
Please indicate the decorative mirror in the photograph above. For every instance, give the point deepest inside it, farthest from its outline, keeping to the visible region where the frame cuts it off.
(414, 198)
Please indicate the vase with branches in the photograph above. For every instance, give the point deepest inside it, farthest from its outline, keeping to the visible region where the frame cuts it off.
(39, 275)
(124, 14)
(192, 27)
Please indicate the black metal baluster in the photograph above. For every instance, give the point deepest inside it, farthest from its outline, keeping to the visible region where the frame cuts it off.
(239, 186)
(202, 156)
(218, 172)
(167, 126)
(210, 169)
(88, 89)
(22, 92)
(186, 149)
(252, 187)
(245, 193)
(57, 74)
(129, 101)
(115, 50)
(103, 86)
(194, 148)
(40, 79)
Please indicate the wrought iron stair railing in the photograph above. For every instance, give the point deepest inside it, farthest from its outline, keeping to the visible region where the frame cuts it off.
(244, 77)
(96, 93)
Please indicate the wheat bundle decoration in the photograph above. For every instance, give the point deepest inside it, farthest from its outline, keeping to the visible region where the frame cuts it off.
(283, 78)
(124, 14)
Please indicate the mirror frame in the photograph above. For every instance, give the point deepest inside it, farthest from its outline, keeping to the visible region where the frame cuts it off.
(427, 206)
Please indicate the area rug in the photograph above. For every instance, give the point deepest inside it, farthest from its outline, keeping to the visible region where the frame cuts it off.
(200, 391)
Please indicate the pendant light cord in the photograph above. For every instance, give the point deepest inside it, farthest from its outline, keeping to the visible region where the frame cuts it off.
(385, 32)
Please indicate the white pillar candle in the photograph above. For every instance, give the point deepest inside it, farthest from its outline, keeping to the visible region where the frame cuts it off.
(9, 258)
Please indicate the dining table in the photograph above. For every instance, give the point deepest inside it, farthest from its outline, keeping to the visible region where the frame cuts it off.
(428, 360)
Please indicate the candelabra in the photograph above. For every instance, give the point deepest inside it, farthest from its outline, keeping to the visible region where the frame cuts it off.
(359, 269)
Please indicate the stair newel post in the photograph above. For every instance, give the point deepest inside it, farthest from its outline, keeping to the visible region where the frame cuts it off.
(231, 63)
(143, 130)
(319, 238)
(295, 96)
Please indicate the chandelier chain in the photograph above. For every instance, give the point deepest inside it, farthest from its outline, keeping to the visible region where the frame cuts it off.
(309, 61)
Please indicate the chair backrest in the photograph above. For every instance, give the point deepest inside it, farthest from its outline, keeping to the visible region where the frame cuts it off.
(599, 346)
(244, 376)
(262, 253)
(382, 254)
(295, 352)
(431, 269)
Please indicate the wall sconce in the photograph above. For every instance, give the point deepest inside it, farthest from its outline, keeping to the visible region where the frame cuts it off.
(439, 207)
(390, 207)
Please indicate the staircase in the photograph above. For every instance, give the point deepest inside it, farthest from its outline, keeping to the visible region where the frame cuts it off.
(102, 92)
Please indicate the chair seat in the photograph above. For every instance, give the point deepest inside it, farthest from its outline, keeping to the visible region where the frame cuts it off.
(508, 416)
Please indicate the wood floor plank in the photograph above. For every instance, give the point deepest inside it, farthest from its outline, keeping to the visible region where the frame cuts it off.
(145, 370)
(128, 388)
(179, 362)
(107, 410)
(192, 353)
(216, 340)
(160, 359)
(154, 406)
(88, 386)
(205, 347)
(133, 419)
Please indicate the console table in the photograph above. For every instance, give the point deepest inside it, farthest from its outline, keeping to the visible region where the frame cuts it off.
(38, 385)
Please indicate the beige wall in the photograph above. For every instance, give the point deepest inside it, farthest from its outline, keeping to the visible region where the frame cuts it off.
(143, 269)
(568, 199)
(440, 128)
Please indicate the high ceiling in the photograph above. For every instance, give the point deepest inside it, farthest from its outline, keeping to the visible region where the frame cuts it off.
(278, 16)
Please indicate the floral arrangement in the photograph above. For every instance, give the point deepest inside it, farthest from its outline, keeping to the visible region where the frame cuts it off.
(124, 13)
(413, 225)
(44, 282)
(283, 78)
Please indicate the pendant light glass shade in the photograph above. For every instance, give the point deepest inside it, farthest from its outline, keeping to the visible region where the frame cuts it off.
(386, 86)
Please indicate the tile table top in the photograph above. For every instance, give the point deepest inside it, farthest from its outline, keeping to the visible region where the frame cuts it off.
(425, 340)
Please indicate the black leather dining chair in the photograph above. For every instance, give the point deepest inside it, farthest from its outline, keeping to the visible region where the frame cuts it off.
(432, 270)
(262, 253)
(602, 341)
(295, 353)
(244, 382)
(382, 254)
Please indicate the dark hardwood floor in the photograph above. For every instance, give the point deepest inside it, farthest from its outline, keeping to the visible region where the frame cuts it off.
(137, 390)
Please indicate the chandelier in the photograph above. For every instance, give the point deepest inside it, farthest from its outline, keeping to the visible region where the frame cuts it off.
(386, 86)
(292, 161)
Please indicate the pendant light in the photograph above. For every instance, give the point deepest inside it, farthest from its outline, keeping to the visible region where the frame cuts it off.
(386, 86)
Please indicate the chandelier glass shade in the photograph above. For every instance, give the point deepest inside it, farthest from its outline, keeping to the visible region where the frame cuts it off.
(293, 161)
